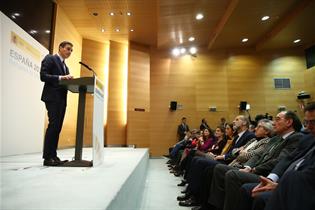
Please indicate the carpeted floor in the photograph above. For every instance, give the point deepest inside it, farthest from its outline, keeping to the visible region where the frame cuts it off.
(161, 188)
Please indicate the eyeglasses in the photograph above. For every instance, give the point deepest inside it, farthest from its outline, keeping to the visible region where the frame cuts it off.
(309, 122)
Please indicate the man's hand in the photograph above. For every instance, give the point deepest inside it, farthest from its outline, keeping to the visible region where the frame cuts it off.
(264, 185)
(66, 77)
(219, 157)
(246, 170)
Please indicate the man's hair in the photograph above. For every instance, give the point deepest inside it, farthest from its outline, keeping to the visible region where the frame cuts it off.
(297, 125)
(245, 119)
(310, 107)
(267, 125)
(64, 43)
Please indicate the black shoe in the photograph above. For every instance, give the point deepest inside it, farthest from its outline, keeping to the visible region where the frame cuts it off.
(178, 173)
(197, 208)
(184, 191)
(190, 202)
(184, 197)
(183, 183)
(50, 162)
(57, 159)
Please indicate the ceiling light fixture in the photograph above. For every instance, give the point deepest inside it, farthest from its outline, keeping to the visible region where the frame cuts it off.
(193, 50)
(297, 40)
(191, 39)
(13, 17)
(117, 29)
(244, 40)
(132, 30)
(176, 52)
(33, 32)
(199, 16)
(103, 30)
(16, 14)
(111, 14)
(128, 13)
(265, 18)
(47, 31)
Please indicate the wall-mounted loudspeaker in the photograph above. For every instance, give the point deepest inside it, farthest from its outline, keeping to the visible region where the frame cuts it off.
(173, 105)
(243, 105)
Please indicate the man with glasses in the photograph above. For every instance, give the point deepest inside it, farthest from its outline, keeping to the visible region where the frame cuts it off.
(291, 184)
(54, 69)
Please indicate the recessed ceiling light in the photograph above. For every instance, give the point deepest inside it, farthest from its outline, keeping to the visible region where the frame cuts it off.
(129, 13)
(244, 40)
(193, 50)
(182, 50)
(191, 39)
(33, 32)
(132, 30)
(117, 29)
(103, 29)
(176, 52)
(297, 40)
(199, 16)
(16, 14)
(265, 18)
(47, 31)
(13, 17)
(111, 14)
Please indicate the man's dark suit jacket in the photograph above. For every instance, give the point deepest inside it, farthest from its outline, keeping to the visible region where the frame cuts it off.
(264, 163)
(241, 142)
(181, 131)
(51, 69)
(305, 144)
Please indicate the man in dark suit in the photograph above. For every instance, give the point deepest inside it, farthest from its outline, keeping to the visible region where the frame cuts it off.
(53, 69)
(182, 129)
(295, 174)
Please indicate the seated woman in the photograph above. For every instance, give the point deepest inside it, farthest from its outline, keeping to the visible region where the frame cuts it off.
(203, 143)
(263, 132)
(216, 148)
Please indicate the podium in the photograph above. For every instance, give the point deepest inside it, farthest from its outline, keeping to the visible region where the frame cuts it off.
(83, 86)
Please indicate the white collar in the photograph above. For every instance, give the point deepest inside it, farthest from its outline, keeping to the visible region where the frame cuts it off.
(287, 134)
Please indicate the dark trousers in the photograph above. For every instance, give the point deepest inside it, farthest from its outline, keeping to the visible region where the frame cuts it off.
(296, 190)
(56, 112)
(197, 173)
(247, 202)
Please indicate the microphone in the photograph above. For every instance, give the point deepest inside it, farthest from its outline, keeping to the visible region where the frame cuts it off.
(86, 66)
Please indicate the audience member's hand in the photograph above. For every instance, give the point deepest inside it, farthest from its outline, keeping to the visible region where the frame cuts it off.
(219, 157)
(246, 170)
(66, 77)
(264, 185)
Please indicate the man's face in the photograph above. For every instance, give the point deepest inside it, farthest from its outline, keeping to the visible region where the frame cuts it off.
(309, 121)
(184, 121)
(237, 123)
(281, 124)
(65, 51)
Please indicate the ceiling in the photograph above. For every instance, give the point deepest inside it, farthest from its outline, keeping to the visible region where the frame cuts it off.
(165, 24)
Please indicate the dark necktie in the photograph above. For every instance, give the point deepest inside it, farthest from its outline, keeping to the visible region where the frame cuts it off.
(64, 67)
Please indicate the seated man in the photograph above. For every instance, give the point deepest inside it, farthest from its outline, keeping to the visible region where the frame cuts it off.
(296, 173)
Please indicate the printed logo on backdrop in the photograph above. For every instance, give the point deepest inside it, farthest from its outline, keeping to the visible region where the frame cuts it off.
(25, 55)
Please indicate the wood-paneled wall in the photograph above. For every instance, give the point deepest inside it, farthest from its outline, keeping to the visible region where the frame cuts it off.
(221, 80)
(138, 96)
(96, 55)
(64, 30)
(117, 94)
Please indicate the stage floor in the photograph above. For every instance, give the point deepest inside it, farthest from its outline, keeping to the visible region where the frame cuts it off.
(27, 184)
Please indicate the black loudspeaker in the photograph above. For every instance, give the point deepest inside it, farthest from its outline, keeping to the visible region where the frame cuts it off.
(173, 105)
(310, 57)
(303, 96)
(243, 105)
